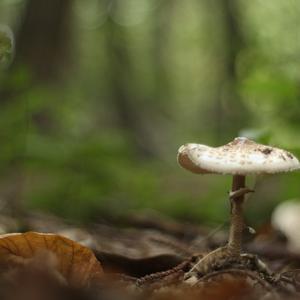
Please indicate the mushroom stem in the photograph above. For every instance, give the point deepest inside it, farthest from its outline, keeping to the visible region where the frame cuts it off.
(237, 224)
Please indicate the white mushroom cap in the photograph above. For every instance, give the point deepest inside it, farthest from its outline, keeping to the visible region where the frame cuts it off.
(239, 157)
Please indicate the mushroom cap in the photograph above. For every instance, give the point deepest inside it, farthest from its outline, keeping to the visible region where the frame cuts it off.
(239, 157)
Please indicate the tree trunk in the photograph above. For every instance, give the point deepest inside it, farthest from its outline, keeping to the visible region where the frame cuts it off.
(43, 39)
(124, 101)
(231, 113)
(42, 51)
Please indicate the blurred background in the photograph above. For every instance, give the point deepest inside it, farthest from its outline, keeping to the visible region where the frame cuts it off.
(96, 97)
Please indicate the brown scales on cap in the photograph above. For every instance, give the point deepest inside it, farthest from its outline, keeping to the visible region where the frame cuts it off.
(239, 157)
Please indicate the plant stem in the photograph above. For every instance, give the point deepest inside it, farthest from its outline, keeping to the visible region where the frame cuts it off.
(237, 224)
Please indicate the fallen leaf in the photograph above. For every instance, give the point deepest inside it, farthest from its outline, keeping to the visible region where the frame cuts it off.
(76, 263)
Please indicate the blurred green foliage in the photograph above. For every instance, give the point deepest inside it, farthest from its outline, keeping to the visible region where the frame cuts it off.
(6, 45)
(93, 130)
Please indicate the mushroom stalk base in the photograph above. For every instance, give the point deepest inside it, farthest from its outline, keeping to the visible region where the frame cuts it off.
(231, 253)
(237, 223)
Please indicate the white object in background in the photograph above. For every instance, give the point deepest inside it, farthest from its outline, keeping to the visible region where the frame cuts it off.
(286, 218)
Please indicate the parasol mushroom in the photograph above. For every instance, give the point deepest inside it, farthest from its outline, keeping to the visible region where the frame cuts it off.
(238, 158)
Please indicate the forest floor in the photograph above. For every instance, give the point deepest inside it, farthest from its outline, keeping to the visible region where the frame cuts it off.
(140, 257)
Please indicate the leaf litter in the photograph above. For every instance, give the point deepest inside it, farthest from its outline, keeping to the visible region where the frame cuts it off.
(138, 262)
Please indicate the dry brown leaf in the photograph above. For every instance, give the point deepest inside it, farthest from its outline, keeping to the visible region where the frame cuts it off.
(76, 263)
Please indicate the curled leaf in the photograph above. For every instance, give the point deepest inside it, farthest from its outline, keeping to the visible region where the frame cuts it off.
(76, 263)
